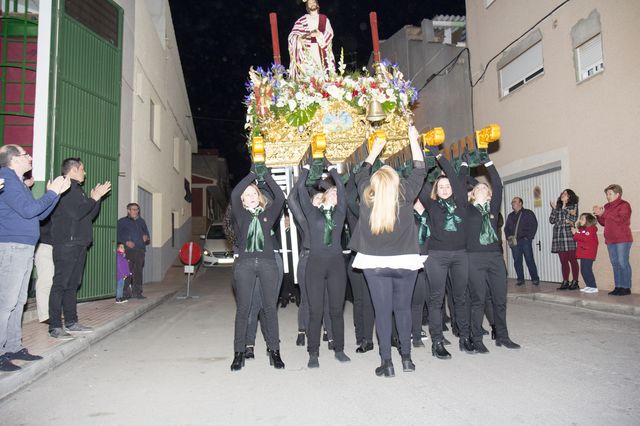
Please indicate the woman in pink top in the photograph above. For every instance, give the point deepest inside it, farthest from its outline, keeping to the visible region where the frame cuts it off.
(615, 216)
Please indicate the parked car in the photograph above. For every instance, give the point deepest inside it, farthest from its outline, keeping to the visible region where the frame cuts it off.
(217, 249)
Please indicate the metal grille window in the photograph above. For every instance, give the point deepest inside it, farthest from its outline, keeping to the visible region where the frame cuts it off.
(589, 57)
(522, 69)
(100, 16)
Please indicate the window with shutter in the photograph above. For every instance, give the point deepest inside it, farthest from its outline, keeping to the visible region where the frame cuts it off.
(589, 58)
(522, 69)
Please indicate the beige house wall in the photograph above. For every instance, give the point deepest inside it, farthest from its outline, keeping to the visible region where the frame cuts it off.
(591, 127)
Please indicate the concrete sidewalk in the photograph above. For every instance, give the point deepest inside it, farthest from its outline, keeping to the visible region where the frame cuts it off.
(107, 317)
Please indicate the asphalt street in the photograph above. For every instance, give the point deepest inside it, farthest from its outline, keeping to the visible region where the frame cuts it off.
(171, 367)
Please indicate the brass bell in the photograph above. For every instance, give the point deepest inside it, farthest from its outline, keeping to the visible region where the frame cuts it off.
(375, 112)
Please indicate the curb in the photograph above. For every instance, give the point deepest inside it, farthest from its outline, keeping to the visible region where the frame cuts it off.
(593, 305)
(57, 356)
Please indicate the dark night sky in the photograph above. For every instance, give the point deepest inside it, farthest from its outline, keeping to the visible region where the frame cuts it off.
(220, 39)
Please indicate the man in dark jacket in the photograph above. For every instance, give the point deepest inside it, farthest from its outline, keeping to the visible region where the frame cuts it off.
(71, 236)
(522, 224)
(133, 232)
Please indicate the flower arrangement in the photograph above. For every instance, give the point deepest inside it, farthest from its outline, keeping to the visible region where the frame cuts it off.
(272, 94)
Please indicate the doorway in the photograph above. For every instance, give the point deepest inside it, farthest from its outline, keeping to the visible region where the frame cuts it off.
(145, 200)
(536, 191)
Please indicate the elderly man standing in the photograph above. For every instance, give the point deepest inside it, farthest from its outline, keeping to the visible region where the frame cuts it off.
(133, 232)
(520, 229)
(20, 216)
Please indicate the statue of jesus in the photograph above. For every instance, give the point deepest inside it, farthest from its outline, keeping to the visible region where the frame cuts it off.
(310, 44)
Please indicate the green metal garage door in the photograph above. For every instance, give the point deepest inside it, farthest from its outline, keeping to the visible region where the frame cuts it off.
(86, 64)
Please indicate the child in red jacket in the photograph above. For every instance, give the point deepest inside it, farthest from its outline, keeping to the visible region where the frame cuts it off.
(586, 238)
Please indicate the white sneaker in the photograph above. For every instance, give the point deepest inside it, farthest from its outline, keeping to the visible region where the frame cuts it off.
(585, 289)
(591, 290)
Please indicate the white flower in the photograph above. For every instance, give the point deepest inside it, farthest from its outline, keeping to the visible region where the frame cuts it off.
(361, 101)
(348, 96)
(403, 98)
(292, 105)
(299, 96)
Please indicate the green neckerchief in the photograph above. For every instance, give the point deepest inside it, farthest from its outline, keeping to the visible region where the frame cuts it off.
(255, 236)
(451, 219)
(423, 227)
(329, 224)
(487, 233)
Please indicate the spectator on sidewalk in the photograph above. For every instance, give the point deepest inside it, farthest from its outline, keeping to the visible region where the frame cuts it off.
(20, 214)
(133, 232)
(520, 229)
(615, 216)
(71, 235)
(45, 270)
(564, 214)
(122, 272)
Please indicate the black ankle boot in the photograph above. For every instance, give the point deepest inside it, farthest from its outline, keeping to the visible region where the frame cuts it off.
(300, 339)
(574, 285)
(364, 347)
(480, 347)
(248, 353)
(275, 360)
(493, 332)
(466, 345)
(238, 361)
(507, 343)
(386, 369)
(438, 350)
(564, 286)
(407, 364)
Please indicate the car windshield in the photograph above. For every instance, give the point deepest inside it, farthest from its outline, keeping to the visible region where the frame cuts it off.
(216, 233)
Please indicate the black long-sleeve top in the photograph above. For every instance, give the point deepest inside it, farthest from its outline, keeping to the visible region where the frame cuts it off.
(296, 210)
(267, 218)
(404, 238)
(315, 220)
(72, 220)
(473, 219)
(441, 239)
(353, 208)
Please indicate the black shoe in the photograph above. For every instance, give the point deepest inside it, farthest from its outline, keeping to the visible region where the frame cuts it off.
(438, 350)
(446, 341)
(520, 283)
(238, 361)
(535, 282)
(313, 361)
(455, 331)
(466, 345)
(574, 286)
(564, 286)
(23, 355)
(325, 336)
(140, 297)
(418, 343)
(60, 334)
(507, 343)
(76, 327)
(407, 364)
(330, 345)
(614, 292)
(386, 369)
(7, 365)
(480, 347)
(446, 318)
(623, 292)
(300, 339)
(484, 332)
(275, 360)
(364, 347)
(493, 332)
(248, 353)
(342, 357)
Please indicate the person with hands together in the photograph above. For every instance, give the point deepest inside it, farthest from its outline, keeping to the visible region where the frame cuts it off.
(564, 213)
(386, 241)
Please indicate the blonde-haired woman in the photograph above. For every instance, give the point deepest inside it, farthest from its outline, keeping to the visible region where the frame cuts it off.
(256, 260)
(386, 241)
(487, 270)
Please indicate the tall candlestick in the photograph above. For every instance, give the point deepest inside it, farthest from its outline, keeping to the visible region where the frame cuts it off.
(273, 18)
(373, 19)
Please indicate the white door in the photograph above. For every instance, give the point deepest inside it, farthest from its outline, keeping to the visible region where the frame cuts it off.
(536, 191)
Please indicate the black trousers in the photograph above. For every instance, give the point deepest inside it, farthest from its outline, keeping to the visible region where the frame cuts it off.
(438, 265)
(363, 318)
(68, 261)
(303, 309)
(391, 292)
(418, 301)
(326, 276)
(255, 313)
(246, 271)
(136, 264)
(487, 272)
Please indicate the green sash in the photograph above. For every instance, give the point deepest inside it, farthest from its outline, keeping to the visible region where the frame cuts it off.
(423, 227)
(255, 236)
(487, 233)
(451, 219)
(329, 224)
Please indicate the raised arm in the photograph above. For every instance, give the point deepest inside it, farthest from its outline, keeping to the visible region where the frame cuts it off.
(496, 187)
(294, 198)
(341, 207)
(278, 195)
(459, 189)
(303, 196)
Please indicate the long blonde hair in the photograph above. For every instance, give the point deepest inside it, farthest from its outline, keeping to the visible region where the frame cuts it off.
(382, 196)
(262, 200)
